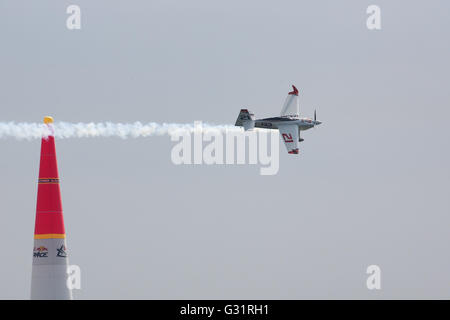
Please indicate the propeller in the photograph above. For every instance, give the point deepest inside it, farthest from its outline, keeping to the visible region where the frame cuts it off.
(315, 119)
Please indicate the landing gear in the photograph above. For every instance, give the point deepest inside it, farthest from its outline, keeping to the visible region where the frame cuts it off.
(299, 138)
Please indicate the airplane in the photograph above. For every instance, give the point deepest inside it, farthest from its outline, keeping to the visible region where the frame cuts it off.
(288, 123)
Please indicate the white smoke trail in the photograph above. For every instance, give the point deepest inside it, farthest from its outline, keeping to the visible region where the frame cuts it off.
(65, 130)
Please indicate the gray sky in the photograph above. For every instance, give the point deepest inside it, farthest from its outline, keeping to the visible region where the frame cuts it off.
(369, 187)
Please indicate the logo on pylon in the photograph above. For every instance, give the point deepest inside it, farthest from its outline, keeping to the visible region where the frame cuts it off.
(61, 252)
(40, 252)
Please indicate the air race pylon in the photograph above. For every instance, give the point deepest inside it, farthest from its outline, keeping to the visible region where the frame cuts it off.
(50, 259)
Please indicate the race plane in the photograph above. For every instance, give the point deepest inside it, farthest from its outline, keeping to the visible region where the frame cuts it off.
(289, 122)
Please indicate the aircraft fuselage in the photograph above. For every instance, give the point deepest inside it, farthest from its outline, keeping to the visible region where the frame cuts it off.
(274, 122)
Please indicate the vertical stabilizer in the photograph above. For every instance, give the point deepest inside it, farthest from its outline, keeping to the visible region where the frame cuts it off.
(291, 105)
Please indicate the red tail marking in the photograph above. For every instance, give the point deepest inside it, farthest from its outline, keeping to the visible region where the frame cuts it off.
(295, 91)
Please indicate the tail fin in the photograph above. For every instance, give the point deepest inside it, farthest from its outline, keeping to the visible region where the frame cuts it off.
(245, 119)
(291, 105)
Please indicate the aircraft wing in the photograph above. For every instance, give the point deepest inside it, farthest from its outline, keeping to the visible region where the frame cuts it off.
(289, 134)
